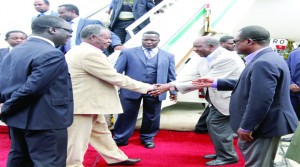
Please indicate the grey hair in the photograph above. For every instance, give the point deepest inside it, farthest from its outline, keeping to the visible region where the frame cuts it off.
(210, 41)
(93, 29)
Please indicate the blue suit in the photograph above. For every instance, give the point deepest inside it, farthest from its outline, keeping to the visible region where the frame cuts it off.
(133, 63)
(293, 62)
(3, 52)
(262, 105)
(115, 40)
(36, 93)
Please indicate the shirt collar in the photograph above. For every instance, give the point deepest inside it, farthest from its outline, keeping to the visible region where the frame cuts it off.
(87, 44)
(42, 38)
(75, 20)
(48, 12)
(213, 54)
(249, 58)
(153, 50)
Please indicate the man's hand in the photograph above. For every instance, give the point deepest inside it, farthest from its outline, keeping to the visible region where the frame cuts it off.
(119, 47)
(246, 136)
(159, 89)
(202, 82)
(294, 88)
(173, 97)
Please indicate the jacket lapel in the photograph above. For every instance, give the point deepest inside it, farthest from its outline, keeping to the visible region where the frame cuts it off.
(79, 28)
(247, 66)
(140, 54)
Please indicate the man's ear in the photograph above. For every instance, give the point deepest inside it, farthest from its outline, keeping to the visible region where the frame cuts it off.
(52, 30)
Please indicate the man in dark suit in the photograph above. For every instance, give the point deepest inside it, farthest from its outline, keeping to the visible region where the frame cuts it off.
(148, 64)
(36, 93)
(294, 64)
(125, 12)
(260, 107)
(70, 13)
(13, 38)
(43, 7)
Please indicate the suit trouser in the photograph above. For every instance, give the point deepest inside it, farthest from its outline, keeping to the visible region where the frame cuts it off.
(93, 129)
(221, 135)
(295, 100)
(201, 126)
(260, 152)
(120, 29)
(37, 148)
(125, 124)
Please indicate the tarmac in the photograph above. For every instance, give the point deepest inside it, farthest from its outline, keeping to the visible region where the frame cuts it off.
(183, 116)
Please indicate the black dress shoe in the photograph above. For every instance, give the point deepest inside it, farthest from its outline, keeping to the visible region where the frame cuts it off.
(149, 144)
(210, 156)
(220, 162)
(129, 161)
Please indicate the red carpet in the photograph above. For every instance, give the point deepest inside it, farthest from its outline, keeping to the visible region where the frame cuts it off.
(178, 149)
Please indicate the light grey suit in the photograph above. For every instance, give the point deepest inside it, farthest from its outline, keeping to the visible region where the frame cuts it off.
(223, 64)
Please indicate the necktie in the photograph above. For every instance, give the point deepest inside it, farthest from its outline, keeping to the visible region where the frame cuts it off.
(148, 53)
(41, 14)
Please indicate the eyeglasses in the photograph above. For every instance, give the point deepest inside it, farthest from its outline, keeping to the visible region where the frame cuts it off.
(68, 30)
(235, 41)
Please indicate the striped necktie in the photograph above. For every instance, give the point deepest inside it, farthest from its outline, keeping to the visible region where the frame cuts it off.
(148, 53)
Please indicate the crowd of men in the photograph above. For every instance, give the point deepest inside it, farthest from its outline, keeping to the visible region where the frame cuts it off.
(61, 75)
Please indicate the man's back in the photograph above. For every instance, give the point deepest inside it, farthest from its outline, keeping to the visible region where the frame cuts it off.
(34, 76)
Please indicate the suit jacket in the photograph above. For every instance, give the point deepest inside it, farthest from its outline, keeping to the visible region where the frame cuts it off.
(51, 14)
(3, 52)
(132, 62)
(223, 64)
(260, 100)
(140, 7)
(35, 87)
(115, 40)
(95, 81)
(293, 62)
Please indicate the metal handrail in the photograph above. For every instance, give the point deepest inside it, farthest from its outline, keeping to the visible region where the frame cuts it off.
(130, 28)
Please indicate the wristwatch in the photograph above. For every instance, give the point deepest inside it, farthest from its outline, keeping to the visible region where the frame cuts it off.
(172, 87)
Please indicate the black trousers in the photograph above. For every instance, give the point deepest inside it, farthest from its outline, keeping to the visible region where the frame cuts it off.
(201, 126)
(37, 148)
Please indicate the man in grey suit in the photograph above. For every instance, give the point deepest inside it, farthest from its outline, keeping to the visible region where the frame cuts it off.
(148, 64)
(260, 107)
(43, 7)
(214, 61)
(70, 13)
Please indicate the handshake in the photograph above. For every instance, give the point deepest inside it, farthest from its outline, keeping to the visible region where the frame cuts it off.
(161, 88)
